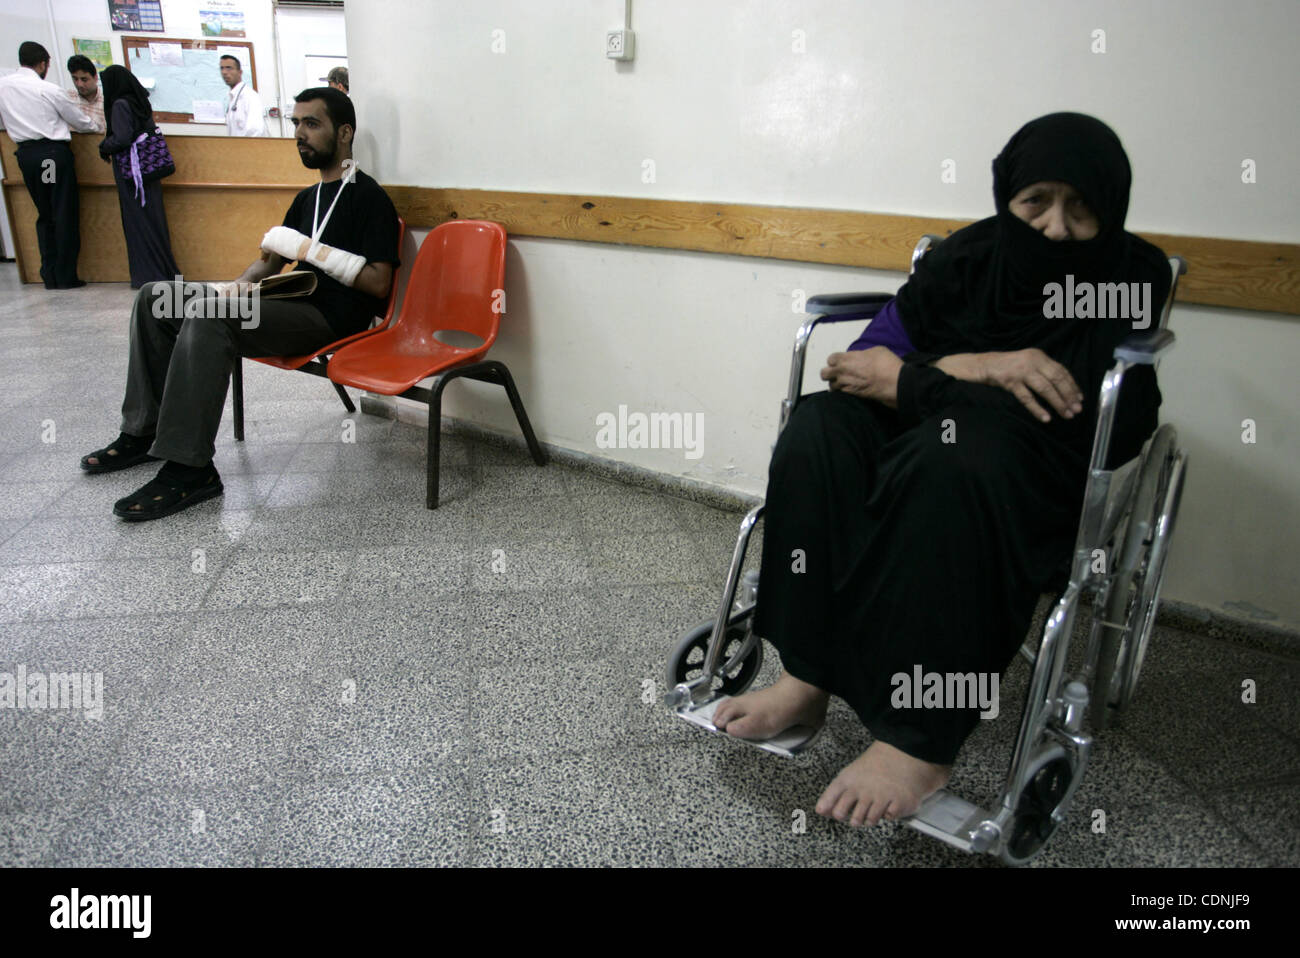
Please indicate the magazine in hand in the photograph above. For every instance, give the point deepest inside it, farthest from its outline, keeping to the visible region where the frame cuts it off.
(296, 282)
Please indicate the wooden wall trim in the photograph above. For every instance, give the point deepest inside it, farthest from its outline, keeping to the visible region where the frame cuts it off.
(1240, 274)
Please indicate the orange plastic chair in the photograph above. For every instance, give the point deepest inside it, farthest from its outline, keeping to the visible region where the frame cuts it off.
(314, 362)
(454, 290)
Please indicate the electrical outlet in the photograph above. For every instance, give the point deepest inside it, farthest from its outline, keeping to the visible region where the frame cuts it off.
(619, 44)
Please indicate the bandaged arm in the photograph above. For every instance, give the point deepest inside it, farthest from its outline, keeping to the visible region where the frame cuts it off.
(292, 245)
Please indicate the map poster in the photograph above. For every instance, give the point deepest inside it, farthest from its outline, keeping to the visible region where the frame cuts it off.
(100, 52)
(221, 18)
(136, 15)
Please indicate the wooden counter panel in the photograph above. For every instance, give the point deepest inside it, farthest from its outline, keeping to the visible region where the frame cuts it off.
(225, 194)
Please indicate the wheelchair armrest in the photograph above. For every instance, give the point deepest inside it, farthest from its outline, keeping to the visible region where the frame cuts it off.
(838, 307)
(1145, 348)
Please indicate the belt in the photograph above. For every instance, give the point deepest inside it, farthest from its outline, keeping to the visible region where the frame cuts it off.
(35, 142)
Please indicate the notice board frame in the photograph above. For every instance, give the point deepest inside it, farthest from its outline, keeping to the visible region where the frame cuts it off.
(137, 43)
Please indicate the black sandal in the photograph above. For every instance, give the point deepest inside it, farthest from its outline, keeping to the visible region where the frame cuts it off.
(122, 453)
(166, 494)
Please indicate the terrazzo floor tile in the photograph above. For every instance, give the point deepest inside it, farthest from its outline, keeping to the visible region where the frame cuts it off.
(48, 539)
(27, 838)
(726, 803)
(66, 590)
(1265, 814)
(425, 633)
(507, 563)
(52, 758)
(206, 828)
(649, 558)
(281, 578)
(237, 732)
(407, 819)
(20, 500)
(519, 481)
(217, 532)
(534, 709)
(537, 626)
(524, 520)
(577, 809)
(409, 571)
(374, 722)
(1158, 835)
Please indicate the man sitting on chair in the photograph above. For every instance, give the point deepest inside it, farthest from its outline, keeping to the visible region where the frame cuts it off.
(183, 347)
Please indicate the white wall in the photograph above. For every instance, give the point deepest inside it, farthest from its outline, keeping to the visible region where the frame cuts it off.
(88, 19)
(883, 94)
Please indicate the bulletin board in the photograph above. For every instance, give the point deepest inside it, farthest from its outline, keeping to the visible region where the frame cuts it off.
(175, 87)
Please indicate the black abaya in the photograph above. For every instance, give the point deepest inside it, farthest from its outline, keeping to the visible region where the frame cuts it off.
(923, 536)
(148, 240)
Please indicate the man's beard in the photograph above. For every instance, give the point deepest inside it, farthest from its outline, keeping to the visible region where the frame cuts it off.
(319, 159)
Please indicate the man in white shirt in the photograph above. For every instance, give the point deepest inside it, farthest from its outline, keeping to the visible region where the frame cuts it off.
(244, 107)
(37, 116)
(87, 94)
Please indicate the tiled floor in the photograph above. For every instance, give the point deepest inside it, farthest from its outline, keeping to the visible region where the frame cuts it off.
(342, 677)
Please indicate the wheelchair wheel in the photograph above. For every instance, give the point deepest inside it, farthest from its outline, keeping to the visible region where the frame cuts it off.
(739, 663)
(1130, 609)
(1046, 785)
(1142, 622)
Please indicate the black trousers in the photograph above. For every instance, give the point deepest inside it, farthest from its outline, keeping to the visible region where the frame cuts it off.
(51, 179)
(887, 548)
(183, 348)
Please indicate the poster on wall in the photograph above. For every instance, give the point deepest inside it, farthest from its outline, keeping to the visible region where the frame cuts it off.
(221, 18)
(135, 15)
(100, 52)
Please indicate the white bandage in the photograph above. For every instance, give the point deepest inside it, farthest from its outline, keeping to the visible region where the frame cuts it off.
(339, 263)
(285, 242)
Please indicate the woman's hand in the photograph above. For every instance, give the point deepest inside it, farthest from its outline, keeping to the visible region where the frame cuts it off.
(1023, 373)
(869, 373)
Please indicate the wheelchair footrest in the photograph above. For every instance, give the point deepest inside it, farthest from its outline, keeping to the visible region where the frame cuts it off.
(796, 739)
(947, 818)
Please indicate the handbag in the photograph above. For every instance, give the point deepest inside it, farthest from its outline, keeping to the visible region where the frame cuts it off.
(147, 160)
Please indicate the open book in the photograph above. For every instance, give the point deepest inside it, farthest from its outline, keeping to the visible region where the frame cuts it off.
(296, 282)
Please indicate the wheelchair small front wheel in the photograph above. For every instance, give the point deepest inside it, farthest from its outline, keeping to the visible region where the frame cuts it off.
(1046, 786)
(737, 666)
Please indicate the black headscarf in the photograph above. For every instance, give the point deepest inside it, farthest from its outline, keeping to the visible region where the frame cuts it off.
(981, 290)
(121, 84)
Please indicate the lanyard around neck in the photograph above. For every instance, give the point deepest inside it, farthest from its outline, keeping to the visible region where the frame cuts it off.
(317, 230)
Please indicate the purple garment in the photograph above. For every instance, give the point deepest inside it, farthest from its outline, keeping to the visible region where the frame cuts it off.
(886, 330)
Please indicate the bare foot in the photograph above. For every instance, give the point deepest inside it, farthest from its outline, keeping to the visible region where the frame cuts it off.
(882, 782)
(772, 710)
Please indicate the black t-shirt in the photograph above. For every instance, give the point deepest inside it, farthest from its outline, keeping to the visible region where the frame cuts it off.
(364, 222)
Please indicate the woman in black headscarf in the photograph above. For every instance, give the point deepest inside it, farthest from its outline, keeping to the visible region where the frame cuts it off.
(127, 115)
(917, 510)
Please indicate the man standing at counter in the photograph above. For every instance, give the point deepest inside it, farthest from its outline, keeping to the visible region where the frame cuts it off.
(87, 94)
(182, 349)
(37, 115)
(244, 106)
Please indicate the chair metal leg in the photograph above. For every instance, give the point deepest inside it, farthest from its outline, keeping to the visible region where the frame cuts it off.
(237, 396)
(343, 394)
(539, 454)
(433, 456)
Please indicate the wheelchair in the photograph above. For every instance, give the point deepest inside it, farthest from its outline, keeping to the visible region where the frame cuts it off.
(1116, 569)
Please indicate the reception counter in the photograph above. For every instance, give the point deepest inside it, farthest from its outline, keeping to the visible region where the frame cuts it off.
(225, 194)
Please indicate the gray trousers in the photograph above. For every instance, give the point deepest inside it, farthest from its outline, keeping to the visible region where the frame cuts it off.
(183, 348)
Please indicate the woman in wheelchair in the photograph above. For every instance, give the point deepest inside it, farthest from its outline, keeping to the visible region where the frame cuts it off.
(917, 510)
